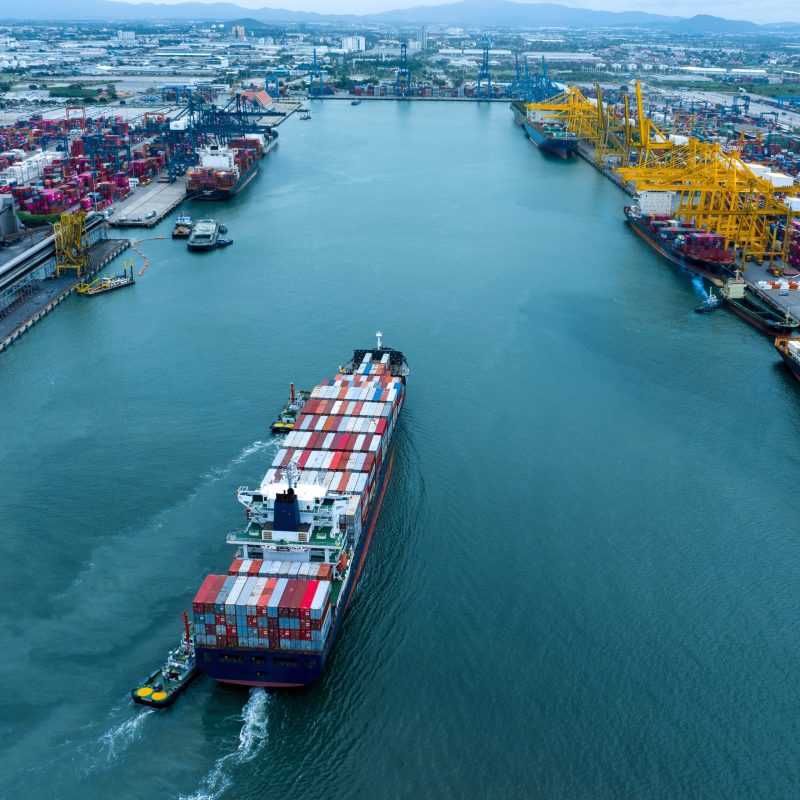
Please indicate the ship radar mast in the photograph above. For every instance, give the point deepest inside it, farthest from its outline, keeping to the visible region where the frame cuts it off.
(291, 474)
(379, 336)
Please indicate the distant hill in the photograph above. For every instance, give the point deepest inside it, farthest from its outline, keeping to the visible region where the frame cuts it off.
(505, 14)
(466, 13)
(703, 23)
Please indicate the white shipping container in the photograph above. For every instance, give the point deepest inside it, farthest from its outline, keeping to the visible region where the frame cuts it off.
(656, 203)
(779, 180)
(757, 169)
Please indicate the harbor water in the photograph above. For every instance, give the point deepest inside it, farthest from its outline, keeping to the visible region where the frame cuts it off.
(584, 580)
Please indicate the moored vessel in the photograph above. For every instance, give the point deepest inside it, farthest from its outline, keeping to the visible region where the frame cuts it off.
(224, 170)
(183, 227)
(106, 284)
(205, 235)
(273, 618)
(698, 251)
(789, 348)
(550, 135)
(755, 307)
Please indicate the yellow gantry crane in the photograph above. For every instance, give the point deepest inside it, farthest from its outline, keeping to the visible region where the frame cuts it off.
(716, 191)
(613, 136)
(69, 243)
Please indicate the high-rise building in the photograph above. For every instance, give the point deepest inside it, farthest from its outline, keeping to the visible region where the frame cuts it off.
(352, 44)
(423, 38)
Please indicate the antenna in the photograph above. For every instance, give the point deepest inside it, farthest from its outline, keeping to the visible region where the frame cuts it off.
(379, 335)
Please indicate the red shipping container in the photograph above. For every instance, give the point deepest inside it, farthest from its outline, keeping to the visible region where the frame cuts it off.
(255, 566)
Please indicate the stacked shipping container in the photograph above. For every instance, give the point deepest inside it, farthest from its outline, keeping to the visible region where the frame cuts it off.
(262, 613)
(341, 438)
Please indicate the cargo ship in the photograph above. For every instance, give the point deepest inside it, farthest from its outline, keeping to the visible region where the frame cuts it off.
(550, 136)
(224, 170)
(698, 251)
(272, 620)
(789, 348)
(756, 307)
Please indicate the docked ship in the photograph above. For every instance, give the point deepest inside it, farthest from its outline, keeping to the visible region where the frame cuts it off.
(549, 135)
(224, 170)
(272, 620)
(789, 348)
(698, 251)
(756, 307)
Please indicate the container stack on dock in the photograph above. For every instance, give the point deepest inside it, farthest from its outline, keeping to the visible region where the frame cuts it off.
(261, 612)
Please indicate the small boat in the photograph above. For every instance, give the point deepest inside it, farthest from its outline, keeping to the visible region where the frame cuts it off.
(711, 303)
(183, 227)
(107, 284)
(356, 102)
(289, 413)
(163, 686)
(204, 235)
(224, 242)
(305, 114)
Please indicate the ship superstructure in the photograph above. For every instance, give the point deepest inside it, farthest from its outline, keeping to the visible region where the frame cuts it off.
(272, 620)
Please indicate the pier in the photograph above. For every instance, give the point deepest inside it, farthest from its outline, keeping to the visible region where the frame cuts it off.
(35, 288)
(148, 205)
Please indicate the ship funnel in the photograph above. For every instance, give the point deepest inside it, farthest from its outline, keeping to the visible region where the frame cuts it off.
(287, 511)
(379, 336)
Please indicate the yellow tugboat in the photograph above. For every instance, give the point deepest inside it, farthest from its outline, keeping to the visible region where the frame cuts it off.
(288, 416)
(164, 685)
(108, 284)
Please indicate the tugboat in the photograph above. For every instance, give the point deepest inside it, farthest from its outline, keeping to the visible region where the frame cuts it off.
(108, 284)
(711, 303)
(183, 227)
(286, 419)
(164, 685)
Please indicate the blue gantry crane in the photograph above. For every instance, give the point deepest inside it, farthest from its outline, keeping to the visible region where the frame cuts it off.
(484, 75)
(402, 81)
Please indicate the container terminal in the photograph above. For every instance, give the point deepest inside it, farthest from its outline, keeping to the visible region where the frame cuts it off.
(715, 192)
(66, 179)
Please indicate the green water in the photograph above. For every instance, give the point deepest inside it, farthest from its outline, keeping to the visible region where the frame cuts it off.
(584, 580)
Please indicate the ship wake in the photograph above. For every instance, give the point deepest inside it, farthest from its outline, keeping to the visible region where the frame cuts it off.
(258, 446)
(252, 738)
(119, 738)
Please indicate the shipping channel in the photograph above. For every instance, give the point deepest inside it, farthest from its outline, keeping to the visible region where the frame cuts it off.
(583, 584)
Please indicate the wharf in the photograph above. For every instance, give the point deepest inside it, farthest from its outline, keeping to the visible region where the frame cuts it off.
(752, 271)
(414, 98)
(45, 295)
(156, 200)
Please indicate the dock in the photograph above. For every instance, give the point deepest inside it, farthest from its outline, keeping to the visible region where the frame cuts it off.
(148, 205)
(40, 297)
(752, 271)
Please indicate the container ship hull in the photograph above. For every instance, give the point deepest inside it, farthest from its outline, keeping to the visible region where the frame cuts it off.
(711, 270)
(274, 618)
(286, 669)
(562, 147)
(790, 353)
(225, 193)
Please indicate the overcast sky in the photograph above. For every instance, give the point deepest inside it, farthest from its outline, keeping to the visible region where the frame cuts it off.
(761, 11)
